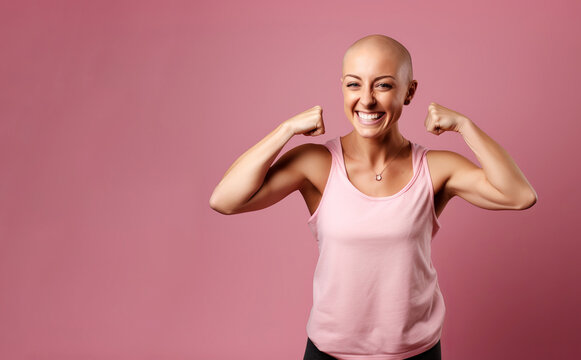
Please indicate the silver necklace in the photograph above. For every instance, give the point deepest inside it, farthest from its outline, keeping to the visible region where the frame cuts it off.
(378, 176)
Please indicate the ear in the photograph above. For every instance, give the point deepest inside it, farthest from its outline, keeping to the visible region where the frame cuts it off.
(411, 92)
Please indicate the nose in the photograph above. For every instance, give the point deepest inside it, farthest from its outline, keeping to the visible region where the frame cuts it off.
(367, 98)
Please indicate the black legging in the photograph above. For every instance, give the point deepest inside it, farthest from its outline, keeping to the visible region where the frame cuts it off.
(312, 353)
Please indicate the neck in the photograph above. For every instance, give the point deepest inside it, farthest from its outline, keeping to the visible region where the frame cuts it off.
(374, 152)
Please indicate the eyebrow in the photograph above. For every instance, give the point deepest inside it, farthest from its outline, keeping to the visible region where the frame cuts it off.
(374, 80)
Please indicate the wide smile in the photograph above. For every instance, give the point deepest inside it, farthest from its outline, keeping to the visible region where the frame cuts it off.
(369, 118)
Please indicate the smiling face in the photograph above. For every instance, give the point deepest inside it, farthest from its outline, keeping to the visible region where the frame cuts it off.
(376, 84)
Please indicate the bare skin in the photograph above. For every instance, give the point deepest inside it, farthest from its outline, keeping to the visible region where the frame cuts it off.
(377, 78)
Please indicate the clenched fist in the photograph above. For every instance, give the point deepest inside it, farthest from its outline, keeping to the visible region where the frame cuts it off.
(440, 119)
(308, 123)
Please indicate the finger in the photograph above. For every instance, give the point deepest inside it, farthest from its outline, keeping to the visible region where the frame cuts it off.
(320, 130)
(434, 112)
(315, 132)
(436, 132)
(429, 126)
(431, 107)
(434, 127)
(427, 120)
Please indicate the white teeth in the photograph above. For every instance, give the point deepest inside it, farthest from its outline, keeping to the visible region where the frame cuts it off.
(369, 116)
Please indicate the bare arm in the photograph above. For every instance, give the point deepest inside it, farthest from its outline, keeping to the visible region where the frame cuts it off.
(499, 184)
(247, 176)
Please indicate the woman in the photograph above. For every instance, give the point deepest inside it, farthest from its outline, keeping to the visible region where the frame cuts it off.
(374, 198)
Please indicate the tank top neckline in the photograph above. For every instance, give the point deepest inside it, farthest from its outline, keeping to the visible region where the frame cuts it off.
(341, 161)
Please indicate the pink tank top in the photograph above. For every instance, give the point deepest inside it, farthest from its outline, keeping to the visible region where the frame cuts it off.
(375, 290)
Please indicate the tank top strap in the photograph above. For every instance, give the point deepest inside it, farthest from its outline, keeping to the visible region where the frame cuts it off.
(418, 152)
(426, 179)
(334, 146)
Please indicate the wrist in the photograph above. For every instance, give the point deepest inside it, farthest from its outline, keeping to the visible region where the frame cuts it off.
(464, 124)
(286, 129)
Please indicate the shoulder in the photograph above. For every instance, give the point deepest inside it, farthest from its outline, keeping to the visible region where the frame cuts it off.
(310, 152)
(446, 160)
(441, 156)
(445, 165)
(310, 156)
(306, 159)
(313, 161)
(311, 149)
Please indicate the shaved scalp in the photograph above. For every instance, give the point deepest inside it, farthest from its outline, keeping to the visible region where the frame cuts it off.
(387, 44)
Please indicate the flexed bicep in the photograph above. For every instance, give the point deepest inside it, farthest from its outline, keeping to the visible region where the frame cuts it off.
(469, 182)
(284, 177)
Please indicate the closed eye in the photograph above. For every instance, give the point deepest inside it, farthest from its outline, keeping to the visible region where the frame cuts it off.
(383, 85)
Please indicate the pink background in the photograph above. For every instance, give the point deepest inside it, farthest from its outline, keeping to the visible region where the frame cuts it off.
(118, 118)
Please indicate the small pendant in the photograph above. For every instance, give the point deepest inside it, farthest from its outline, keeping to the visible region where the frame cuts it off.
(378, 177)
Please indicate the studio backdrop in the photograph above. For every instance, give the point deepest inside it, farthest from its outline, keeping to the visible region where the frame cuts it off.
(118, 119)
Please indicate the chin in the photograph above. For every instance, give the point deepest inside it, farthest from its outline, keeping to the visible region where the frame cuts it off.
(367, 133)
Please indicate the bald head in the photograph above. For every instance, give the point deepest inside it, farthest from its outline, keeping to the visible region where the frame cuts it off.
(381, 45)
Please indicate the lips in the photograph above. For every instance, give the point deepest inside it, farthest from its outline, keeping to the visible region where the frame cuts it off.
(369, 122)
